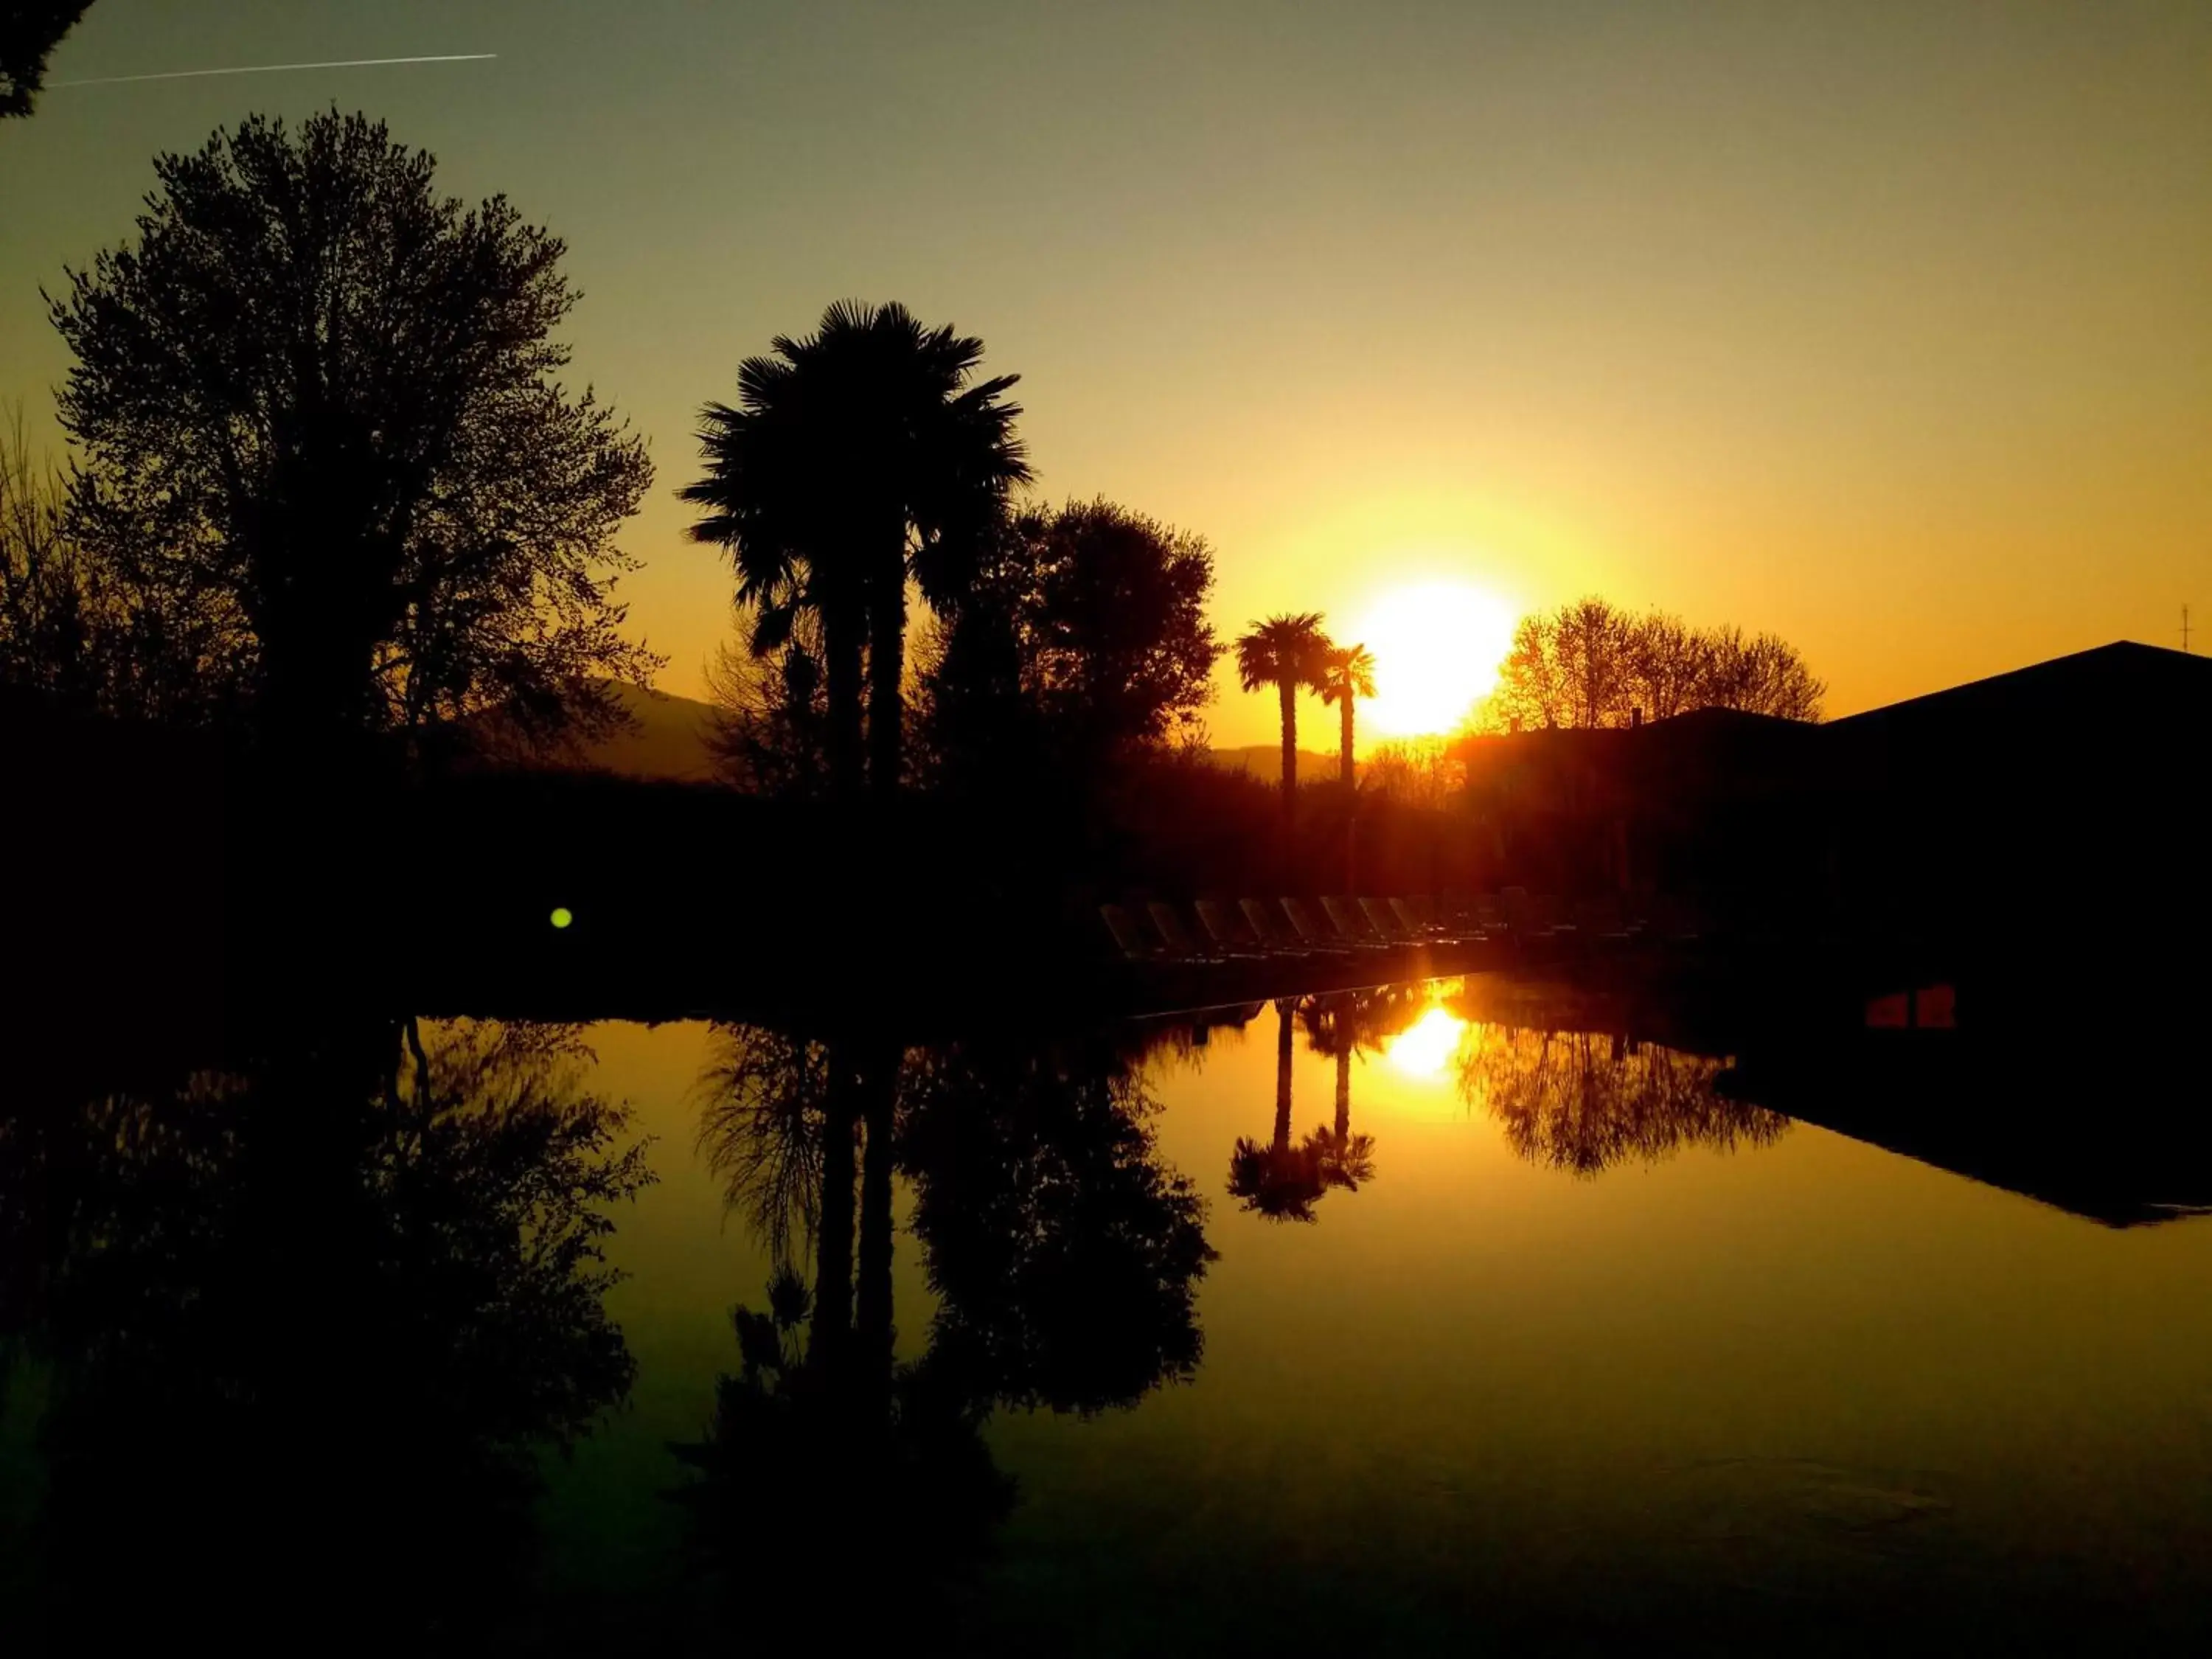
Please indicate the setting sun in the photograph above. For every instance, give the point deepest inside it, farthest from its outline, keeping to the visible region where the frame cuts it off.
(1437, 647)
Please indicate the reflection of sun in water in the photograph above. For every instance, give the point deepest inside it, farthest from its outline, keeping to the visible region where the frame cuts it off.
(1437, 647)
(1424, 1048)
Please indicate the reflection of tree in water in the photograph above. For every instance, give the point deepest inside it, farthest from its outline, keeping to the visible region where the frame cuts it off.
(1584, 1102)
(1064, 1255)
(760, 1129)
(321, 1314)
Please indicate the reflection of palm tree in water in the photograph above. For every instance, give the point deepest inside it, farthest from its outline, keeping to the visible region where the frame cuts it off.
(1347, 1159)
(1280, 1181)
(1063, 1256)
(842, 1437)
(1283, 1181)
(791, 1124)
(1344, 1024)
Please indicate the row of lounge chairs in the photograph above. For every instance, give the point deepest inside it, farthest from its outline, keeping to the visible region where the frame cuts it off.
(1341, 927)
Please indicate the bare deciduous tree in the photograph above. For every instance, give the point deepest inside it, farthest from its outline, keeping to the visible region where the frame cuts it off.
(1591, 664)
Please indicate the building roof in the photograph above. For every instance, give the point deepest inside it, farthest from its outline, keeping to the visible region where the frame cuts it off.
(2110, 680)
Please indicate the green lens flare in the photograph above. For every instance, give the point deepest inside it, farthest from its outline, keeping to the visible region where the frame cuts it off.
(563, 915)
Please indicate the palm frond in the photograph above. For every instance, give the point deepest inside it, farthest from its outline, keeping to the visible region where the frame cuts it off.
(1289, 646)
(1348, 671)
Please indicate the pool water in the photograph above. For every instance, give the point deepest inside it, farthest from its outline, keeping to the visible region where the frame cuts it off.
(1358, 1323)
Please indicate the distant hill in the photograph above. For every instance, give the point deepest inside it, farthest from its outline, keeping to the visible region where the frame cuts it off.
(667, 742)
(670, 741)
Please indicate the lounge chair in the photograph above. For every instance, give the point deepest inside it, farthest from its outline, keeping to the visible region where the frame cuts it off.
(1267, 927)
(1231, 936)
(1178, 937)
(1128, 935)
(1381, 920)
(1350, 927)
(1419, 914)
(1313, 933)
(1173, 932)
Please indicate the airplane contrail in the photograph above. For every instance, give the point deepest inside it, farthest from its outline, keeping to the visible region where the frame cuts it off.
(274, 69)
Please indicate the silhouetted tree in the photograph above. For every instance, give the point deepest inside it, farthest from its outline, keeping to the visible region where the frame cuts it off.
(1761, 675)
(1287, 651)
(29, 31)
(1416, 772)
(1082, 637)
(856, 458)
(321, 399)
(769, 731)
(1347, 675)
(74, 631)
(1590, 663)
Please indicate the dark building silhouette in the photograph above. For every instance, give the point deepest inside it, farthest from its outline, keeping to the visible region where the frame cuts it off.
(2059, 801)
(2046, 817)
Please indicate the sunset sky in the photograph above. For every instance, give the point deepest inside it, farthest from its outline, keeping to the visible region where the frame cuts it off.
(1885, 327)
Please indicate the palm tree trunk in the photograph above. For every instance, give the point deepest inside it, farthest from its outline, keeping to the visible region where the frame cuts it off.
(1283, 1076)
(886, 670)
(1344, 1093)
(1288, 689)
(879, 1087)
(826, 1341)
(1347, 777)
(841, 626)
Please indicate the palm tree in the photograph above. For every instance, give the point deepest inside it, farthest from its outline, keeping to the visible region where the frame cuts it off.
(1347, 674)
(855, 458)
(1287, 653)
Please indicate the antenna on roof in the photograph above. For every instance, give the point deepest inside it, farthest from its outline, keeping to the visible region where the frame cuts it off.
(2185, 627)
